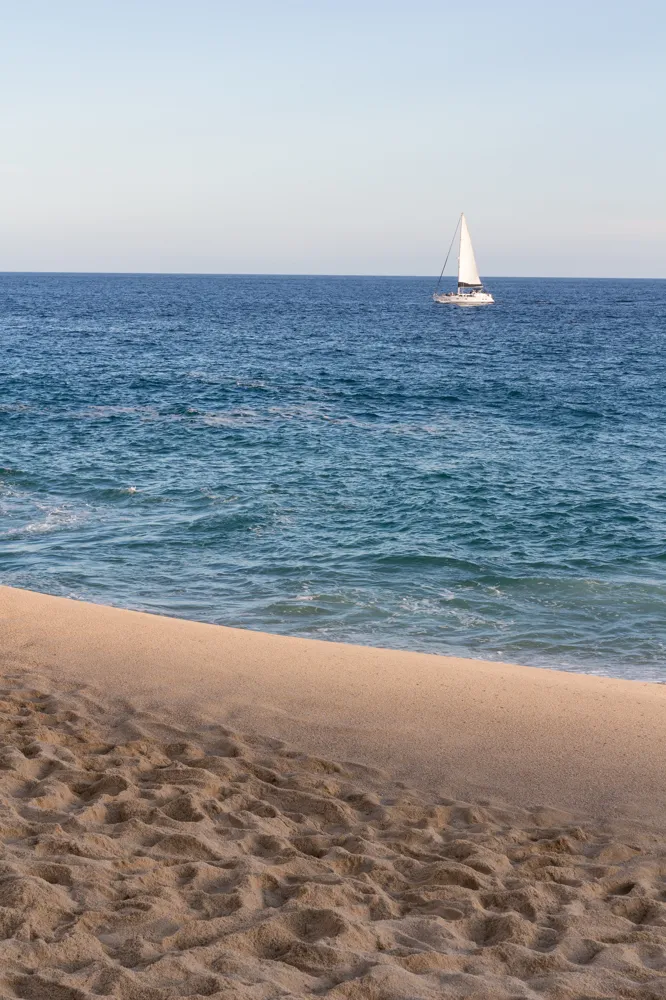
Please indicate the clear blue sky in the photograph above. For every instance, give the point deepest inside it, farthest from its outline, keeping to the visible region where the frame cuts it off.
(333, 136)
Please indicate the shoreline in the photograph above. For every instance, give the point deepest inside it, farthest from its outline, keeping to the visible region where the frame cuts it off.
(468, 728)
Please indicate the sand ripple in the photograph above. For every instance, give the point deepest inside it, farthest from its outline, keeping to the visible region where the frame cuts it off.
(146, 859)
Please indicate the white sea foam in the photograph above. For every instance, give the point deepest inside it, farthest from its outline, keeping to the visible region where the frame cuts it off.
(44, 516)
(55, 520)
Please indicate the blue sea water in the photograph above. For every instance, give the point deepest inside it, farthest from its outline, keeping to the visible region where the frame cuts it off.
(342, 458)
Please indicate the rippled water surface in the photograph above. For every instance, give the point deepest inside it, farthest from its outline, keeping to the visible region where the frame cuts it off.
(342, 458)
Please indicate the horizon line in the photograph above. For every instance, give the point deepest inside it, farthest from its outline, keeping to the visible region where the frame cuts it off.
(319, 274)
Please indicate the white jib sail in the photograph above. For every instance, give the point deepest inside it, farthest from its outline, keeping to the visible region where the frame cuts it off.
(468, 273)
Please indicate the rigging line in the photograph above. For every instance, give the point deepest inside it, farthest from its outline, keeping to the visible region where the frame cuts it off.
(441, 273)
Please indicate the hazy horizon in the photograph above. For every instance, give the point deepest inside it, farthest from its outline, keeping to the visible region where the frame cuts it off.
(321, 274)
(332, 139)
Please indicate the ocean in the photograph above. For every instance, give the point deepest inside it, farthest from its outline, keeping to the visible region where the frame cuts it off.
(343, 459)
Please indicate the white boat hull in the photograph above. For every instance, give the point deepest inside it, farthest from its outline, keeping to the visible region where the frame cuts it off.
(465, 298)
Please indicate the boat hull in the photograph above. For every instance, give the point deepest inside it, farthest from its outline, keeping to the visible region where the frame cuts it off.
(469, 299)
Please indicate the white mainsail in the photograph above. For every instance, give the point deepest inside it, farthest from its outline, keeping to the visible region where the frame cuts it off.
(468, 273)
(470, 291)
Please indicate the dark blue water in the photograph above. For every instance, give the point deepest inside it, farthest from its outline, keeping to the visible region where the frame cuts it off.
(344, 459)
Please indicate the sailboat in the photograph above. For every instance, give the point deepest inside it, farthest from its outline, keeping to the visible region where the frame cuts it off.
(470, 288)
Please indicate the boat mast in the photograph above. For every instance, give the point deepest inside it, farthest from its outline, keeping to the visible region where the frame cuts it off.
(459, 248)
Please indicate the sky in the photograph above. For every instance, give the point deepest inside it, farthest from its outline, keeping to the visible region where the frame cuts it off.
(333, 136)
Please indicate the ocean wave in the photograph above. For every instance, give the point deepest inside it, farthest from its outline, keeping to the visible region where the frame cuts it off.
(241, 416)
(55, 519)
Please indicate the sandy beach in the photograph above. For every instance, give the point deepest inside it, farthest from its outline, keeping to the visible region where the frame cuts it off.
(190, 810)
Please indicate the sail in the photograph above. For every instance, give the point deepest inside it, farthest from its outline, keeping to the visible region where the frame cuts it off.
(468, 274)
